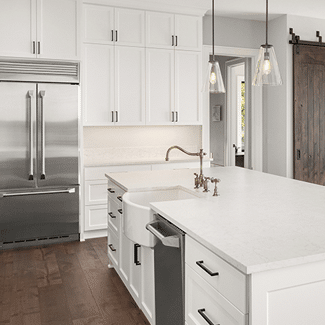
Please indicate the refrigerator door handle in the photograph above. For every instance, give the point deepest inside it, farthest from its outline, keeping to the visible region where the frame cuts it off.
(67, 191)
(42, 94)
(30, 94)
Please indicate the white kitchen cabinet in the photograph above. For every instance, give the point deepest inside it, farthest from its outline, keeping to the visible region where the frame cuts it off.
(160, 88)
(129, 85)
(95, 217)
(173, 87)
(98, 85)
(114, 85)
(165, 30)
(40, 29)
(114, 26)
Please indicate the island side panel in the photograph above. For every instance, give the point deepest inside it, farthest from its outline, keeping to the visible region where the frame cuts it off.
(289, 296)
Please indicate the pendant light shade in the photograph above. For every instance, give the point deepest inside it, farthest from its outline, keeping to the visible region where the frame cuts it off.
(213, 82)
(267, 69)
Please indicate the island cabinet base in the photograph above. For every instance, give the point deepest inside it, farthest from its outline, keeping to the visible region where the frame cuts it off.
(293, 295)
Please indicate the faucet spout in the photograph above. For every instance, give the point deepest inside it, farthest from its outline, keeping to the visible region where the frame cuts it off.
(200, 154)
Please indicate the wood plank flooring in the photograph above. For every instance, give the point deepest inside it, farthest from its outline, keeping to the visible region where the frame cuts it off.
(64, 284)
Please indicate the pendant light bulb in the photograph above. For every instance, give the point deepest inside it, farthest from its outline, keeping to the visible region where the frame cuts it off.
(213, 75)
(267, 64)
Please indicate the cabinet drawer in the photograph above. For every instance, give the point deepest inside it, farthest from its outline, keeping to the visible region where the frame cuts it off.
(230, 282)
(115, 193)
(114, 214)
(95, 217)
(202, 300)
(112, 247)
(95, 192)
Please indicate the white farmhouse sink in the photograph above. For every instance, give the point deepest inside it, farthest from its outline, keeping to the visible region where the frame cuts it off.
(136, 211)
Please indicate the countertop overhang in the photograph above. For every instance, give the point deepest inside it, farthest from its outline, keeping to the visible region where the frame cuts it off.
(259, 222)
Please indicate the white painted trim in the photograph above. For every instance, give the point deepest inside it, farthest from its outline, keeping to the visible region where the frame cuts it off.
(256, 118)
(190, 7)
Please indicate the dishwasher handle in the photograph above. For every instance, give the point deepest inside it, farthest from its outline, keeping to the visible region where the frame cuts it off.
(170, 241)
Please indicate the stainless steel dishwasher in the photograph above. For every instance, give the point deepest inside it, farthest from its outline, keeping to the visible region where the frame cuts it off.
(169, 272)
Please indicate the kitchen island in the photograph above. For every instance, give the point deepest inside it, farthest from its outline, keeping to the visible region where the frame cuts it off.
(269, 229)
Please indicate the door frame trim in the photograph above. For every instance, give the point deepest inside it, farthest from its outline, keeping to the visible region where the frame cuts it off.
(256, 103)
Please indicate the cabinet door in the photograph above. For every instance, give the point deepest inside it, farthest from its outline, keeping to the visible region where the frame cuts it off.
(95, 217)
(18, 27)
(187, 87)
(147, 299)
(95, 192)
(98, 24)
(129, 27)
(98, 86)
(160, 30)
(125, 258)
(188, 30)
(160, 90)
(135, 272)
(58, 29)
(130, 85)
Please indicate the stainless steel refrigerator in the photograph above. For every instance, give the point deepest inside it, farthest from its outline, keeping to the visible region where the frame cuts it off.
(39, 153)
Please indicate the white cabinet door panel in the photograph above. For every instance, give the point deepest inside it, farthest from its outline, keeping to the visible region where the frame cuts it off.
(98, 24)
(129, 27)
(125, 257)
(95, 192)
(188, 30)
(130, 85)
(18, 27)
(187, 84)
(160, 90)
(160, 29)
(95, 217)
(98, 84)
(58, 29)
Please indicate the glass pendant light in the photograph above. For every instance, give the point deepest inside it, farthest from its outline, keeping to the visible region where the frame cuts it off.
(213, 82)
(267, 69)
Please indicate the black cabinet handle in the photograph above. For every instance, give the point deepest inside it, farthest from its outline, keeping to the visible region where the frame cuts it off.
(110, 190)
(136, 254)
(112, 35)
(176, 116)
(173, 119)
(200, 264)
(206, 318)
(112, 116)
(112, 247)
(34, 51)
(111, 215)
(116, 36)
(38, 47)
(176, 40)
(116, 116)
(120, 198)
(172, 40)
(120, 211)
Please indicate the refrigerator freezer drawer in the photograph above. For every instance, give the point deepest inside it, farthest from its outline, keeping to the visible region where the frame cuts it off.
(42, 213)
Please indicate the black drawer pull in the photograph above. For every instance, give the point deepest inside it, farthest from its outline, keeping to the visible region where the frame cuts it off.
(136, 254)
(111, 215)
(200, 264)
(110, 190)
(206, 318)
(112, 247)
(120, 211)
(120, 198)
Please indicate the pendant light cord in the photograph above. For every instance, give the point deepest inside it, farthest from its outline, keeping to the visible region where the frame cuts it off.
(212, 29)
(267, 20)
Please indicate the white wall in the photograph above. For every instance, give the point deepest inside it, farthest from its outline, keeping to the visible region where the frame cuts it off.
(239, 33)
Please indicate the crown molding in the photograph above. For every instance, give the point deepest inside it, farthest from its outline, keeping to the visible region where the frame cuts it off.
(191, 7)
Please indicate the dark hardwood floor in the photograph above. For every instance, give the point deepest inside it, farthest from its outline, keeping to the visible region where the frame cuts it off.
(64, 284)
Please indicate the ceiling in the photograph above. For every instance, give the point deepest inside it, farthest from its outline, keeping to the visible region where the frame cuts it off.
(255, 9)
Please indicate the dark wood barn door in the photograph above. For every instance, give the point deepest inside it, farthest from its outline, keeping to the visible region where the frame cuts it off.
(309, 113)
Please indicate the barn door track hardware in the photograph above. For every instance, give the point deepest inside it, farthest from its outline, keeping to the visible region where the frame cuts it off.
(295, 39)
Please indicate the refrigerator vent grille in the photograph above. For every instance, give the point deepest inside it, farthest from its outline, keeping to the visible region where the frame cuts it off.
(39, 241)
(34, 71)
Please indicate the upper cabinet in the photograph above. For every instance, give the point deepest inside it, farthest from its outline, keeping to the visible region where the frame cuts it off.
(40, 29)
(165, 30)
(113, 26)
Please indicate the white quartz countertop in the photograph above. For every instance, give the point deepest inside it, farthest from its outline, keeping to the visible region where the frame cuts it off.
(259, 222)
